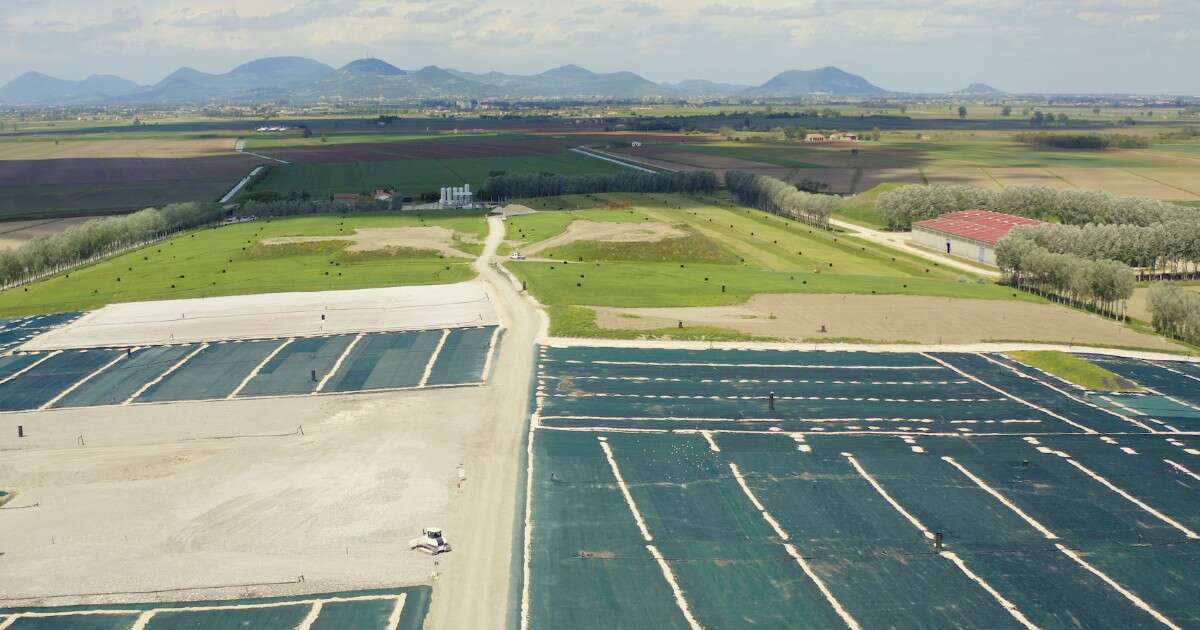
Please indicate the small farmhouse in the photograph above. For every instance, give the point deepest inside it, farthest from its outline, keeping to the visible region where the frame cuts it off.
(970, 234)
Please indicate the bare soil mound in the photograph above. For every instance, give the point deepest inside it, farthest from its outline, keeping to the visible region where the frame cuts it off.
(612, 232)
(435, 238)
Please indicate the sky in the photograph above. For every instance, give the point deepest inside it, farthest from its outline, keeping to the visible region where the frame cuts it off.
(1050, 46)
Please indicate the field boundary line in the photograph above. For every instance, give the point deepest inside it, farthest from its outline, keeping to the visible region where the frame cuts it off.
(258, 368)
(1171, 398)
(171, 370)
(1134, 500)
(1130, 595)
(633, 164)
(18, 373)
(437, 350)
(1004, 603)
(80, 383)
(1064, 393)
(791, 549)
(641, 523)
(337, 365)
(311, 617)
(1171, 369)
(1020, 400)
(1001, 498)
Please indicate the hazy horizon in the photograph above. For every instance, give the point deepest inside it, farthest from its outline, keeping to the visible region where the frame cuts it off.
(1048, 46)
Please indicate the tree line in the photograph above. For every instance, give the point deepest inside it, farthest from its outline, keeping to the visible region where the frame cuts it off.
(517, 186)
(908, 204)
(1161, 249)
(779, 197)
(95, 239)
(1092, 141)
(1104, 286)
(1175, 312)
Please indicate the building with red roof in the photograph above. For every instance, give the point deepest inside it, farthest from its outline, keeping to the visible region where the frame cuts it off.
(970, 234)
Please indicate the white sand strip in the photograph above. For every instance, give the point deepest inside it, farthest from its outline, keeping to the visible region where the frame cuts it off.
(8, 621)
(674, 584)
(25, 369)
(397, 610)
(433, 359)
(1134, 500)
(605, 157)
(760, 365)
(1000, 391)
(258, 368)
(887, 497)
(637, 516)
(527, 543)
(170, 370)
(1069, 395)
(1172, 398)
(491, 353)
(791, 549)
(1183, 469)
(1000, 599)
(1131, 596)
(1171, 369)
(67, 391)
(311, 617)
(142, 620)
(1127, 408)
(712, 445)
(1002, 499)
(337, 365)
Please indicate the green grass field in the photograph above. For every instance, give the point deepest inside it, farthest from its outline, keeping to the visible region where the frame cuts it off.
(231, 261)
(416, 177)
(1076, 370)
(758, 253)
(860, 209)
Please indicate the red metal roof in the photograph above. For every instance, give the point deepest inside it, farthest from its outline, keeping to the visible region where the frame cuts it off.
(978, 225)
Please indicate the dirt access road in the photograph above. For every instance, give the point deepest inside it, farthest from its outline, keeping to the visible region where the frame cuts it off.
(478, 574)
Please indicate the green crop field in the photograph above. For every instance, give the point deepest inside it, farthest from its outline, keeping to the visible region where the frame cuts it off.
(324, 138)
(416, 177)
(1076, 370)
(231, 260)
(732, 254)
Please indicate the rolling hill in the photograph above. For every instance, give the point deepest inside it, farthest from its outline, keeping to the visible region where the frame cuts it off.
(828, 80)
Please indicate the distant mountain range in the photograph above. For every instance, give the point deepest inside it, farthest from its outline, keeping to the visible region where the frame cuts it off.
(297, 79)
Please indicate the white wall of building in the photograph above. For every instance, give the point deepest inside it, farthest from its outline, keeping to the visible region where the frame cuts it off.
(957, 247)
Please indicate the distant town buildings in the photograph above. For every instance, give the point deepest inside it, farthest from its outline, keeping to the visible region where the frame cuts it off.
(837, 136)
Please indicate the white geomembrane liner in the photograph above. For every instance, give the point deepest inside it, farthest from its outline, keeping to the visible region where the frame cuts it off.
(275, 315)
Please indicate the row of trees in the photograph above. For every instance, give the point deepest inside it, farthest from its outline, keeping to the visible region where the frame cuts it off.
(1093, 141)
(908, 204)
(302, 205)
(1160, 249)
(516, 186)
(99, 238)
(1104, 286)
(1175, 312)
(779, 197)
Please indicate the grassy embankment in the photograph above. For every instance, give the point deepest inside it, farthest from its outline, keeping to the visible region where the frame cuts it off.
(1075, 370)
(232, 260)
(730, 255)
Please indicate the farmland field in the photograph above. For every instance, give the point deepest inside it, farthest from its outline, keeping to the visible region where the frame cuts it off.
(232, 260)
(414, 177)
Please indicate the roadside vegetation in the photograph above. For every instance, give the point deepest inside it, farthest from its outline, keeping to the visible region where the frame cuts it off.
(1075, 370)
